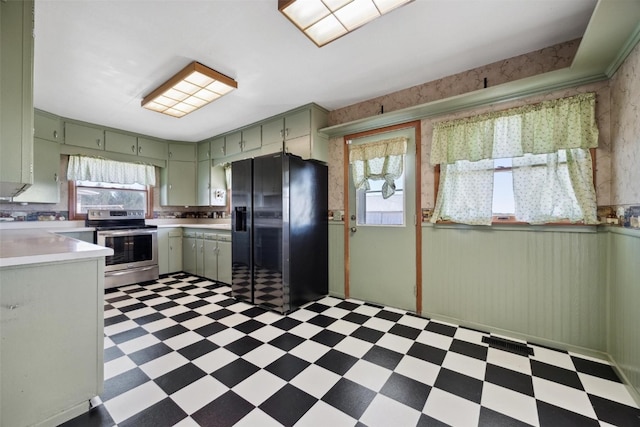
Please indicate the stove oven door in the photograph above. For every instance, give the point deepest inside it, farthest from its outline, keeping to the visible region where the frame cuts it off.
(135, 255)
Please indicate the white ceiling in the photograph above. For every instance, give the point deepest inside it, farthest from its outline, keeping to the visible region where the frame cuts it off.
(96, 59)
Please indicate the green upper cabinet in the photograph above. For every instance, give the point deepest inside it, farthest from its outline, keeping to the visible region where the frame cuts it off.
(16, 101)
(272, 131)
(242, 141)
(46, 167)
(153, 148)
(297, 124)
(297, 132)
(83, 136)
(204, 151)
(233, 143)
(117, 142)
(120, 143)
(178, 180)
(48, 126)
(217, 148)
(183, 152)
(251, 138)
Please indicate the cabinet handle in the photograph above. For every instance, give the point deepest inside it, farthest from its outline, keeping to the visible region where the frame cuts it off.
(98, 142)
(139, 150)
(170, 186)
(286, 132)
(55, 134)
(55, 177)
(208, 154)
(281, 133)
(133, 148)
(170, 154)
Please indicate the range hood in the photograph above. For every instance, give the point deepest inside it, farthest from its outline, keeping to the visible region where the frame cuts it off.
(8, 190)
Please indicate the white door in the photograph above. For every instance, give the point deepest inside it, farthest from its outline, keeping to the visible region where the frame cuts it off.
(382, 233)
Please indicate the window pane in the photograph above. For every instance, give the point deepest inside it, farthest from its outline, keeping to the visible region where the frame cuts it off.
(503, 201)
(90, 195)
(373, 209)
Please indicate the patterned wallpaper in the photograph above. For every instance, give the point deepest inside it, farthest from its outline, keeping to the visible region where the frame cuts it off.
(500, 72)
(625, 131)
(527, 65)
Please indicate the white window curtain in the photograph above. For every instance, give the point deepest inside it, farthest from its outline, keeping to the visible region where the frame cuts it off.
(380, 160)
(83, 168)
(555, 186)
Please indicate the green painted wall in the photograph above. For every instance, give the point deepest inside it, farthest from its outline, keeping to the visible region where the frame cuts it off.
(623, 343)
(545, 286)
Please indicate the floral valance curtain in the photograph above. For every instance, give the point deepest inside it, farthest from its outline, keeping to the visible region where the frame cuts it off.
(380, 160)
(533, 129)
(552, 166)
(82, 168)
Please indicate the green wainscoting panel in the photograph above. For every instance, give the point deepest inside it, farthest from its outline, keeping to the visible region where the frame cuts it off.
(545, 286)
(336, 259)
(624, 301)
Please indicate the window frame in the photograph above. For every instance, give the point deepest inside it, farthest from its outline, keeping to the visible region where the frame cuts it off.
(73, 199)
(511, 219)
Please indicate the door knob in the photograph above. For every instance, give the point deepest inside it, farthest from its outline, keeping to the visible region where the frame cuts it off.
(353, 217)
(353, 229)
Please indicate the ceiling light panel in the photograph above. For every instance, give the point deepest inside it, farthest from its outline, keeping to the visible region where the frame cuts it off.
(326, 20)
(193, 87)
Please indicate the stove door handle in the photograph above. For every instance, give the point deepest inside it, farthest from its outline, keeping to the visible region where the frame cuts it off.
(132, 232)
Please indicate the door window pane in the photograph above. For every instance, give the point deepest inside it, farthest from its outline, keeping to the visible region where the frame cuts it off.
(373, 209)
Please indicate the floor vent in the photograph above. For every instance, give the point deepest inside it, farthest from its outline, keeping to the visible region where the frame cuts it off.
(507, 345)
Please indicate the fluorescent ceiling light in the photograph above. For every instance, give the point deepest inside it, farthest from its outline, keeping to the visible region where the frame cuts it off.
(324, 21)
(193, 87)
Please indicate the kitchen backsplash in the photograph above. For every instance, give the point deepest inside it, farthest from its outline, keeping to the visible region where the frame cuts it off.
(49, 215)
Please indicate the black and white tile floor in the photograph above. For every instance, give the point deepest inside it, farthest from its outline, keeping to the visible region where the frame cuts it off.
(181, 351)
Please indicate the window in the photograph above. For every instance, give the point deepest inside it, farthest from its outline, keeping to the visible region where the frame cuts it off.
(373, 209)
(530, 164)
(98, 195)
(106, 184)
(377, 169)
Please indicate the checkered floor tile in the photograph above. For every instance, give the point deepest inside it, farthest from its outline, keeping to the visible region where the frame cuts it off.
(181, 352)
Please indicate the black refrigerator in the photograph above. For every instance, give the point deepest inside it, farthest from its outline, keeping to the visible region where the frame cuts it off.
(279, 231)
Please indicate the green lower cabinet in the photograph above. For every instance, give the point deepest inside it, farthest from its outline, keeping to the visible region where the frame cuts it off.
(169, 250)
(207, 255)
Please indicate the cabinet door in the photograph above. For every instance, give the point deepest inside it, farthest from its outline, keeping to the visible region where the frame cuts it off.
(217, 148)
(163, 251)
(189, 254)
(204, 184)
(153, 148)
(47, 127)
(83, 136)
(200, 256)
(297, 124)
(175, 253)
(182, 152)
(181, 183)
(272, 132)
(224, 259)
(16, 101)
(120, 143)
(218, 186)
(299, 146)
(204, 151)
(251, 138)
(233, 143)
(46, 166)
(210, 259)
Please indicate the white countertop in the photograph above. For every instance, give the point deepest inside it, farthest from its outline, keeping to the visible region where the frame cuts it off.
(35, 246)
